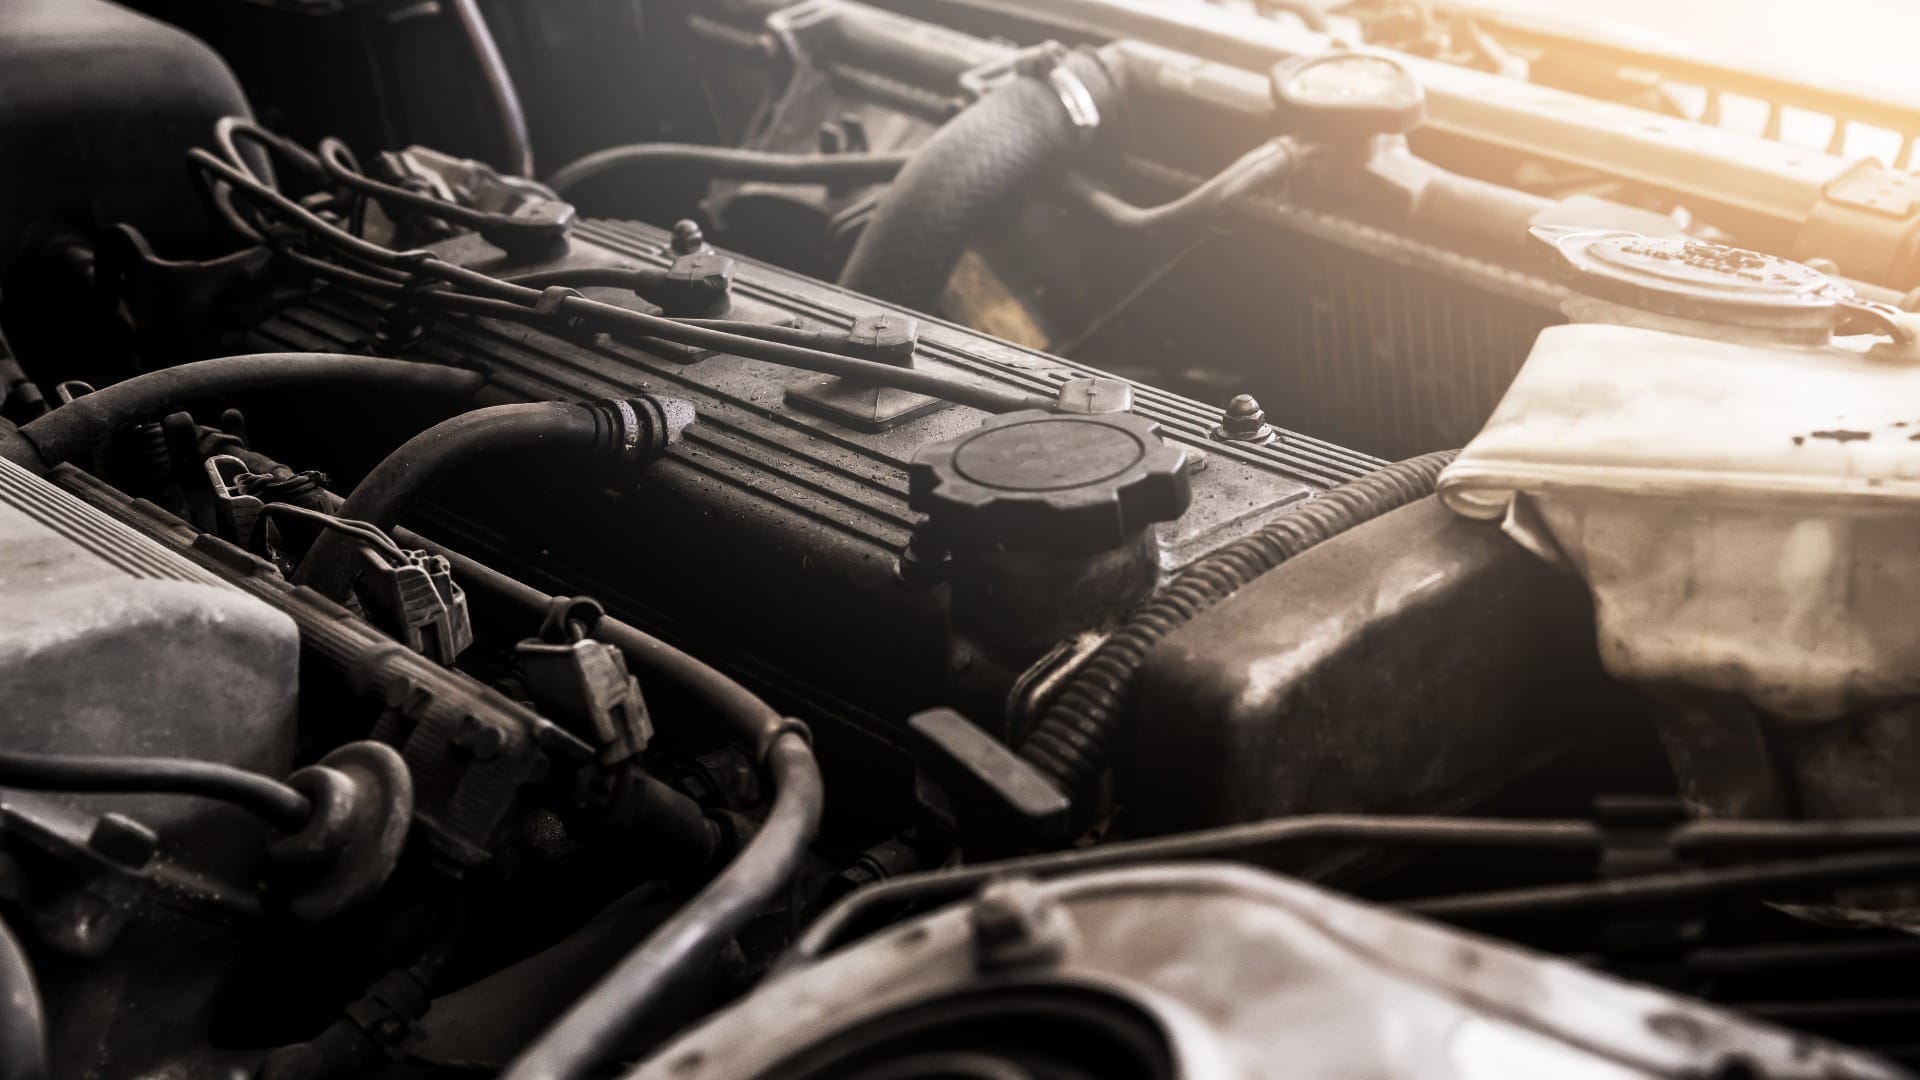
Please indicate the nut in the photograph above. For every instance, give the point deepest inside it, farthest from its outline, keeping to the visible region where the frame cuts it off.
(1017, 925)
(1244, 421)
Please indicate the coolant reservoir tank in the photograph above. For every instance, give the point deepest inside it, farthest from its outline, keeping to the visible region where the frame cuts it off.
(1738, 483)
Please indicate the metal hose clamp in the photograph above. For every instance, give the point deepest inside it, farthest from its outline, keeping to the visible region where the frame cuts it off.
(1047, 60)
(1077, 99)
(630, 432)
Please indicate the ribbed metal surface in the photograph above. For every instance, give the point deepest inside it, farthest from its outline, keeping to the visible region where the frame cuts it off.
(1396, 359)
(777, 456)
(1363, 338)
(1310, 459)
(93, 532)
(846, 482)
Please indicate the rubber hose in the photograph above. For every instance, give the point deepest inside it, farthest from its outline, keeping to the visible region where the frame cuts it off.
(1074, 738)
(23, 1028)
(280, 804)
(964, 177)
(750, 719)
(590, 1032)
(516, 146)
(403, 477)
(76, 426)
(728, 163)
(1259, 166)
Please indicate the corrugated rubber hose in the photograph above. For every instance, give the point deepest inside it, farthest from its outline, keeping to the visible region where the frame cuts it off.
(972, 168)
(1073, 740)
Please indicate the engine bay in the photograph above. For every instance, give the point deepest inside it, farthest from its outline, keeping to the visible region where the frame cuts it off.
(946, 538)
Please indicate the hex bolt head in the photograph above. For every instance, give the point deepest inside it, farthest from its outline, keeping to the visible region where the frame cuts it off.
(1244, 421)
(479, 738)
(687, 237)
(1016, 925)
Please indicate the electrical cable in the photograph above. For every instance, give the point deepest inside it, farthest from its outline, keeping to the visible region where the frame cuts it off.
(279, 804)
(1262, 165)
(516, 143)
(729, 163)
(359, 530)
(541, 307)
(1257, 842)
(338, 165)
(230, 130)
(1250, 842)
(1690, 886)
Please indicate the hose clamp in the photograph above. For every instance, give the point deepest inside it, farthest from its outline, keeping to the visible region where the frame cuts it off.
(1077, 99)
(1047, 60)
(629, 427)
(647, 424)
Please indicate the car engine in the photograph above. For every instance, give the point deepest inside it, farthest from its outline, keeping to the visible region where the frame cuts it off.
(750, 539)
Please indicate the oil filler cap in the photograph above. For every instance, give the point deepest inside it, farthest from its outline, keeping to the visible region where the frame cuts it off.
(1064, 483)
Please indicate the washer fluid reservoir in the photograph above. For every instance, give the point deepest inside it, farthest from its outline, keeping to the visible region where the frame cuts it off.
(1727, 448)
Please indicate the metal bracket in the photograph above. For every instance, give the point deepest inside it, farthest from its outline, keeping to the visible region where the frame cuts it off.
(886, 338)
(790, 25)
(234, 514)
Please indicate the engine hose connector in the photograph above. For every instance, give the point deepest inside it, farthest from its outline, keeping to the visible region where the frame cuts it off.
(631, 431)
(1031, 121)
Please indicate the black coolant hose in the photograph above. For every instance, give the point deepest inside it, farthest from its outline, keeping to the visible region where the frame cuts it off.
(1074, 738)
(23, 1026)
(974, 166)
(71, 429)
(633, 430)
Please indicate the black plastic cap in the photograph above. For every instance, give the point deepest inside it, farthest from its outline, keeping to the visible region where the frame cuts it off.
(1064, 483)
(535, 230)
(697, 284)
(993, 787)
(887, 338)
